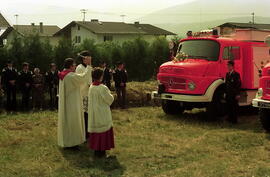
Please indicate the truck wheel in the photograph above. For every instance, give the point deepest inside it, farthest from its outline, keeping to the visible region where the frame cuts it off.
(172, 107)
(265, 119)
(216, 108)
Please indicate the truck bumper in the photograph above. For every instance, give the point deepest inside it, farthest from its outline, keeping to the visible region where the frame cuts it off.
(182, 98)
(260, 103)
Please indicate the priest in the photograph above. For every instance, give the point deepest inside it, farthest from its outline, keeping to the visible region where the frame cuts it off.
(71, 128)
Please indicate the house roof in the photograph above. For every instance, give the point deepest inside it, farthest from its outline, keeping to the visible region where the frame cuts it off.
(99, 27)
(246, 25)
(48, 30)
(3, 21)
(150, 29)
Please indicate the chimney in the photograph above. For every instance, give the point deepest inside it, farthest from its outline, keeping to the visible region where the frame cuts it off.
(94, 20)
(136, 23)
(41, 27)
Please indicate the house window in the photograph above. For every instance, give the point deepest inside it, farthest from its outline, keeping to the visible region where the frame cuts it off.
(79, 27)
(108, 38)
(77, 39)
(4, 41)
(231, 53)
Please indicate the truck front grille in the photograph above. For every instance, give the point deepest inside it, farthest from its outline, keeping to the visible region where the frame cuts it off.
(267, 84)
(173, 82)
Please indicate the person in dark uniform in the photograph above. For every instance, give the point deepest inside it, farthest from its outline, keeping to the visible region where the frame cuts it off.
(120, 79)
(8, 80)
(25, 84)
(52, 81)
(233, 86)
(106, 75)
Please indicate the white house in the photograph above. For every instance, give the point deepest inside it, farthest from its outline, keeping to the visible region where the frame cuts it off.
(45, 32)
(77, 31)
(3, 26)
(230, 27)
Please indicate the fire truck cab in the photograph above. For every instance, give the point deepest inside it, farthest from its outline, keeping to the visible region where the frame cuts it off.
(262, 100)
(195, 78)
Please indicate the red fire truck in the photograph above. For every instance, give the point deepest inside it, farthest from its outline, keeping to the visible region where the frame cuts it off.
(195, 77)
(262, 100)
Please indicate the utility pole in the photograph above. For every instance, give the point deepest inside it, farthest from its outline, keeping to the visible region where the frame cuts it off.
(83, 11)
(16, 16)
(123, 17)
(253, 17)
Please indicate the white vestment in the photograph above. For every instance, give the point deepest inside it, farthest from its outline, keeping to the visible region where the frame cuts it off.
(99, 115)
(71, 128)
(84, 87)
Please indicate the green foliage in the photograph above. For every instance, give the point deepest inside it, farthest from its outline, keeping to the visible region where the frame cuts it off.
(137, 54)
(3, 56)
(16, 51)
(65, 49)
(36, 52)
(159, 52)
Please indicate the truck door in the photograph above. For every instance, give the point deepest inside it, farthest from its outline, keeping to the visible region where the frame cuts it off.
(231, 53)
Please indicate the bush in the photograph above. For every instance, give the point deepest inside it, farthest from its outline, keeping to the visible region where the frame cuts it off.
(65, 49)
(141, 58)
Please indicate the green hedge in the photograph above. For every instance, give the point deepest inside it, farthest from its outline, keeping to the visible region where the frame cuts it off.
(141, 58)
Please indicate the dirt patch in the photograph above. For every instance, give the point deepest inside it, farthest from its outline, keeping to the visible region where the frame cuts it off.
(12, 142)
(14, 126)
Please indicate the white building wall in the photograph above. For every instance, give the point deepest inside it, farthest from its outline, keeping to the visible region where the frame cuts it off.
(53, 40)
(83, 33)
(99, 38)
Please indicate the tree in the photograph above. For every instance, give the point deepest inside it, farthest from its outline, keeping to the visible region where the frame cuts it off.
(16, 51)
(136, 58)
(159, 53)
(3, 57)
(65, 49)
(38, 53)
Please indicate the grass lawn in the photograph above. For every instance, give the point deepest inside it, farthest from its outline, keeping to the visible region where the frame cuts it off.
(148, 143)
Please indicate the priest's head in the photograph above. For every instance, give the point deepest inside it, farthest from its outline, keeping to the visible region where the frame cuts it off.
(70, 64)
(85, 57)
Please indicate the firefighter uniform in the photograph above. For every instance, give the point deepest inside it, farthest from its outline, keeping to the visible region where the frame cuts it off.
(107, 77)
(9, 78)
(233, 86)
(120, 79)
(25, 79)
(52, 81)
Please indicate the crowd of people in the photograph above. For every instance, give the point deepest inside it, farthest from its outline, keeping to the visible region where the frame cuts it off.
(83, 98)
(80, 93)
(32, 87)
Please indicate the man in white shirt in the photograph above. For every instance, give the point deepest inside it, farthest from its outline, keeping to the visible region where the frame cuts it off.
(85, 59)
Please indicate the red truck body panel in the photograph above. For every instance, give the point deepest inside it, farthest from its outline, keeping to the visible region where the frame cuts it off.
(252, 56)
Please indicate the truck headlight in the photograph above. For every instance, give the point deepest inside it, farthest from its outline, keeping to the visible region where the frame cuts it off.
(191, 86)
(260, 92)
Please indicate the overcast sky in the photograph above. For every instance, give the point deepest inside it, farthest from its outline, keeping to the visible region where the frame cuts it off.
(100, 5)
(110, 10)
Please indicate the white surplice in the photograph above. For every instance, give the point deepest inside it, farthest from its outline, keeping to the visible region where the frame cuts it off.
(71, 128)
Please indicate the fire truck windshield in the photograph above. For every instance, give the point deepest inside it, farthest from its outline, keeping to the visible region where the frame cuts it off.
(199, 49)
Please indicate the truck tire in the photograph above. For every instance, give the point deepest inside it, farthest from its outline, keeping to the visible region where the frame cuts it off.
(216, 108)
(172, 107)
(265, 119)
